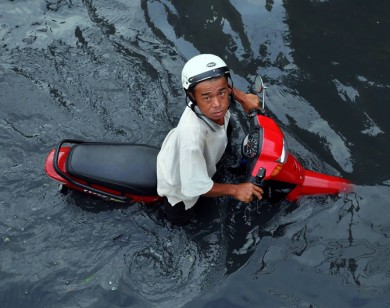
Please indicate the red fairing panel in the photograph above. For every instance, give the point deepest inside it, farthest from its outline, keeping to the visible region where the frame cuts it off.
(272, 146)
(61, 164)
(317, 183)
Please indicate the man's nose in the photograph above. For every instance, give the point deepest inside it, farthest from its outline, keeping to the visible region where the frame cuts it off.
(215, 101)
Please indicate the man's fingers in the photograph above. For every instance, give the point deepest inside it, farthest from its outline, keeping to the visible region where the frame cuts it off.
(259, 189)
(258, 192)
(251, 191)
(258, 195)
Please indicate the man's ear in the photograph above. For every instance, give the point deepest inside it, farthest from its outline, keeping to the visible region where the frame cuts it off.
(191, 96)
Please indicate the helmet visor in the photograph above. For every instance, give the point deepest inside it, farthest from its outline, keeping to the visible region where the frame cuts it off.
(217, 72)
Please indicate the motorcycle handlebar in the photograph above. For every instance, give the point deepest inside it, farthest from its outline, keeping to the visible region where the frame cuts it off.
(257, 180)
(254, 112)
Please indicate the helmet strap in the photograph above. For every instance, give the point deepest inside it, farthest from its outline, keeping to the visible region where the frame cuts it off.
(232, 99)
(192, 104)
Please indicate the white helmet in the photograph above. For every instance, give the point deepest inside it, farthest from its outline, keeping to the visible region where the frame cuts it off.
(202, 67)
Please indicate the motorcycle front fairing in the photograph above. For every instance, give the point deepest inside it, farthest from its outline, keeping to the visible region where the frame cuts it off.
(265, 151)
(277, 171)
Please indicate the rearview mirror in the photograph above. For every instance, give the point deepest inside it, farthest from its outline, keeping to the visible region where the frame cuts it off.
(259, 85)
(260, 88)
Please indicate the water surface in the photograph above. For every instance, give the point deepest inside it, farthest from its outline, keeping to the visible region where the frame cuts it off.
(110, 70)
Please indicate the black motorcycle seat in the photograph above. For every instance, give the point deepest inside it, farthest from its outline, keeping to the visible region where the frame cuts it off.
(124, 167)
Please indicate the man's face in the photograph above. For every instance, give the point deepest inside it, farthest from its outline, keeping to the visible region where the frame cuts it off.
(212, 98)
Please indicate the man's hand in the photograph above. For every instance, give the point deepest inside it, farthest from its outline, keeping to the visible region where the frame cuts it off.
(251, 102)
(248, 101)
(244, 192)
(247, 191)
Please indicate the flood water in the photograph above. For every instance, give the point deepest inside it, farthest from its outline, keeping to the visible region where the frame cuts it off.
(110, 71)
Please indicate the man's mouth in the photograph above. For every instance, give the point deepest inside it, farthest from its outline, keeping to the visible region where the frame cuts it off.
(218, 113)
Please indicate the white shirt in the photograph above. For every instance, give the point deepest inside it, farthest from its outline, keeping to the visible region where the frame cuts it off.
(188, 158)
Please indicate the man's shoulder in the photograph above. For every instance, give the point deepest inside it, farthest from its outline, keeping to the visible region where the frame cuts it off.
(190, 121)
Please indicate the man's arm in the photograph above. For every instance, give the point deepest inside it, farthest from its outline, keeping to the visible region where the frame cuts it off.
(243, 192)
(247, 101)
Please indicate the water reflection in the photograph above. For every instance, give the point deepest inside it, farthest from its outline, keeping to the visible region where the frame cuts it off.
(352, 252)
(200, 24)
(341, 47)
(111, 71)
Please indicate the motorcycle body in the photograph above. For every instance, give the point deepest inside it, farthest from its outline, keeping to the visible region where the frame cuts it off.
(127, 172)
(123, 172)
(278, 172)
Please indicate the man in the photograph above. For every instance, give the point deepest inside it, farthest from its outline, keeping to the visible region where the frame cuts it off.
(189, 154)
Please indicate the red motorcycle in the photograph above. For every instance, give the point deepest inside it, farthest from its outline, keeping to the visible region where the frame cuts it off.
(126, 172)
(122, 172)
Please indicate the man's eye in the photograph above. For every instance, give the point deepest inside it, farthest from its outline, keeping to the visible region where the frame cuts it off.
(206, 98)
(222, 93)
